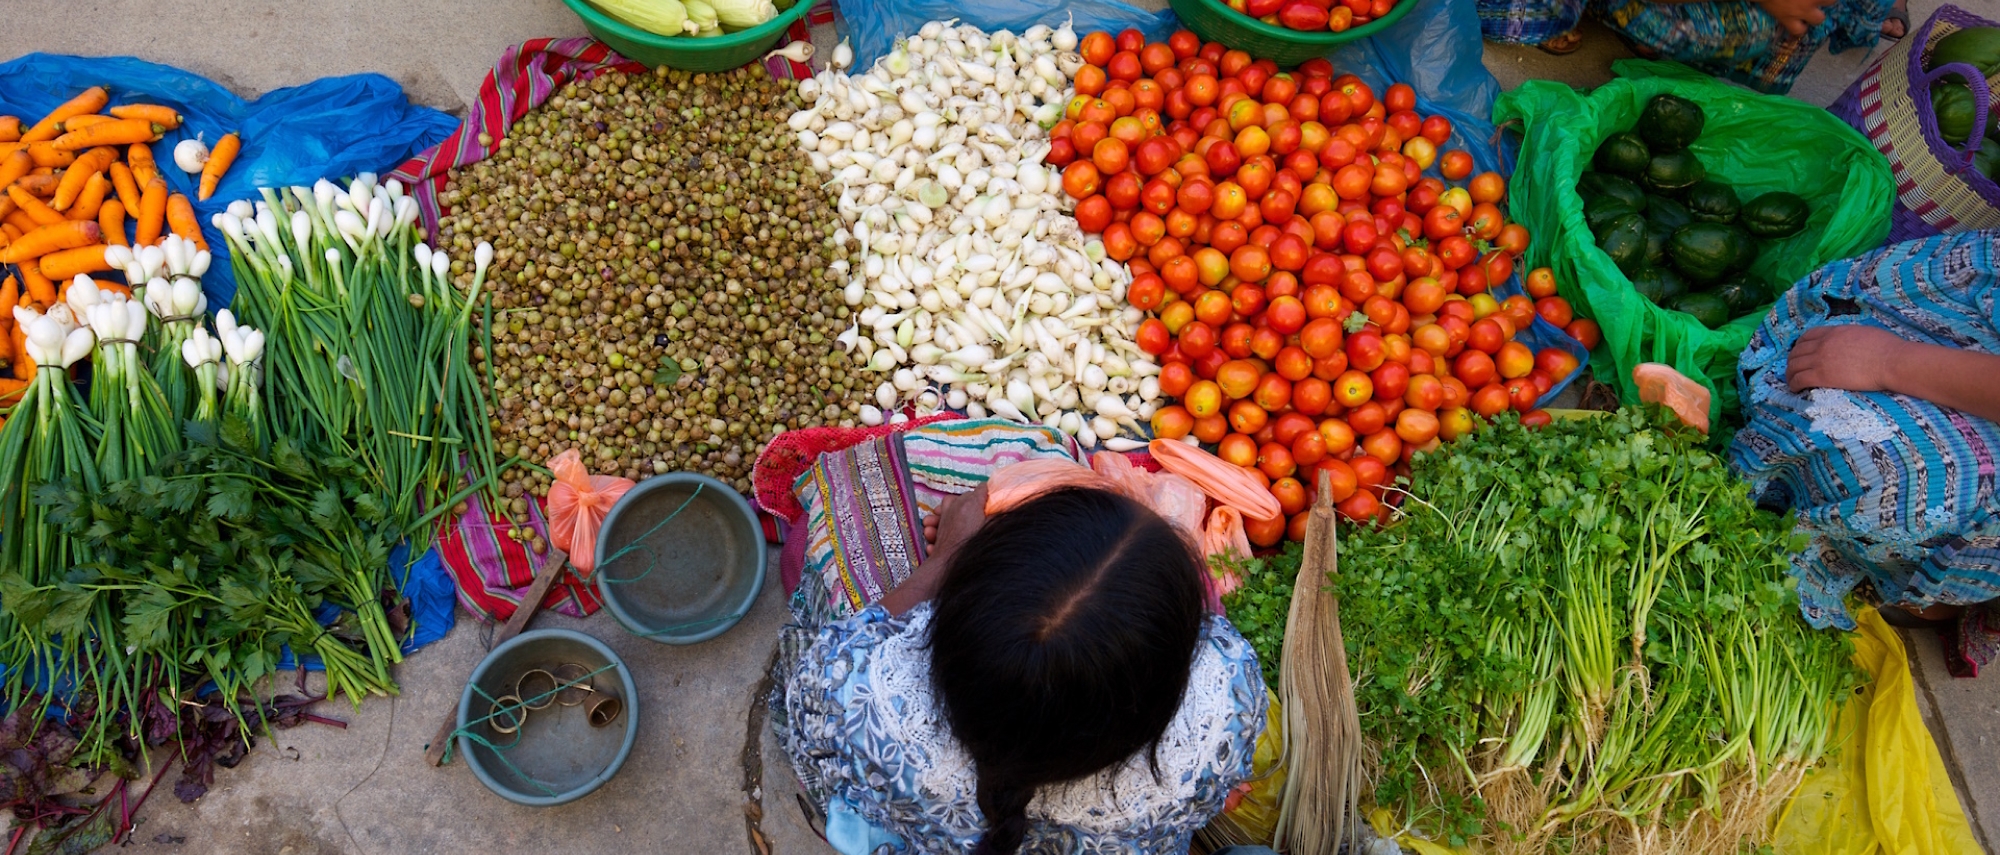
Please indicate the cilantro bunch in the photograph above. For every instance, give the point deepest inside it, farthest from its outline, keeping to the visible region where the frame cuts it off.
(1576, 635)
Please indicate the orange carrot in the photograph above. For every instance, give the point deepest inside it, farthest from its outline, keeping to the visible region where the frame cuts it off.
(140, 156)
(111, 221)
(89, 101)
(13, 234)
(52, 238)
(10, 128)
(18, 220)
(152, 213)
(219, 160)
(126, 185)
(163, 116)
(91, 199)
(36, 209)
(65, 265)
(181, 221)
(74, 178)
(77, 123)
(14, 166)
(41, 291)
(24, 365)
(46, 154)
(40, 186)
(11, 391)
(10, 296)
(114, 132)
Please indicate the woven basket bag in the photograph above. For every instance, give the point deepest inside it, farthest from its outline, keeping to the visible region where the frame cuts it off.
(1937, 190)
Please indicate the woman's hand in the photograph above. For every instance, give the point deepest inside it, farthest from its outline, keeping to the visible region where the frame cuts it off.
(1796, 16)
(956, 520)
(1854, 358)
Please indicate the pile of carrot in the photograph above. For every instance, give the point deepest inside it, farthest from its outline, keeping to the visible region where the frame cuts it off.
(75, 183)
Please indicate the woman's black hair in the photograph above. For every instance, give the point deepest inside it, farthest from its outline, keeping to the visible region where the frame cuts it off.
(1061, 639)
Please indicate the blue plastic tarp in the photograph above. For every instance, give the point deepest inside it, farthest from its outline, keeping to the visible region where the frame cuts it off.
(330, 128)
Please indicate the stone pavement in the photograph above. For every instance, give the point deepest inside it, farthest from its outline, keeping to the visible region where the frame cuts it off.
(704, 775)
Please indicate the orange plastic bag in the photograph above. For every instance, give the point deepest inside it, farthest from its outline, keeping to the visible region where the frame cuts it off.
(1018, 482)
(1174, 498)
(577, 504)
(1661, 384)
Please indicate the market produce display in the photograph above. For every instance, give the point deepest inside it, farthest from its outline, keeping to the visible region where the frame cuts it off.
(1580, 637)
(974, 288)
(1686, 240)
(1320, 303)
(669, 300)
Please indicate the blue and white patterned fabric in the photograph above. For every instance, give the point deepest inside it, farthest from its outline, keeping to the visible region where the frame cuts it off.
(1889, 488)
(855, 713)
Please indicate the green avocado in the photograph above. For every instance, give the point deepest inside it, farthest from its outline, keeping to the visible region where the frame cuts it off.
(1713, 202)
(1670, 123)
(1622, 153)
(1775, 215)
(1707, 252)
(1709, 309)
(1674, 172)
(1667, 212)
(1625, 241)
(1598, 184)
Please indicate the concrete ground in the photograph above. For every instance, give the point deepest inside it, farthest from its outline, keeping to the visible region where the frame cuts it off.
(704, 777)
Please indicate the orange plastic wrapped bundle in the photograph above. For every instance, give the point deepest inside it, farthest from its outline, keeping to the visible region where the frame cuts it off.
(1019, 482)
(1174, 498)
(1661, 384)
(578, 502)
(1224, 482)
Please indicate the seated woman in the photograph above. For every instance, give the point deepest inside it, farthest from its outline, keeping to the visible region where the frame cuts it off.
(1871, 394)
(1048, 679)
(1762, 44)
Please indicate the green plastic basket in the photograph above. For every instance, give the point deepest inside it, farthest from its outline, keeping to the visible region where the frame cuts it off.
(1214, 21)
(718, 53)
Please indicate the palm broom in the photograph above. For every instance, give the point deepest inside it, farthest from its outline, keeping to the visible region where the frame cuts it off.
(1323, 754)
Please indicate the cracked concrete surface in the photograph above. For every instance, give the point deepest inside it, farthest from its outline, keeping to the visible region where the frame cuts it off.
(692, 779)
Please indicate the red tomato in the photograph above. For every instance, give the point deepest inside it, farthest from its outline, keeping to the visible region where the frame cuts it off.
(1153, 337)
(1285, 315)
(1197, 339)
(1585, 331)
(1555, 310)
(1522, 393)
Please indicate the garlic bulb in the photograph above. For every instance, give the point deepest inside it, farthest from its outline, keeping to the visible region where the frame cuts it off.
(191, 156)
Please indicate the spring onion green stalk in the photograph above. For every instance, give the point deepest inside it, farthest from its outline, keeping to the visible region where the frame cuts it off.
(243, 398)
(172, 272)
(203, 354)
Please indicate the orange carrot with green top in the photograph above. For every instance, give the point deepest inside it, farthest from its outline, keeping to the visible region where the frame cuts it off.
(89, 101)
(114, 132)
(10, 128)
(91, 200)
(69, 263)
(165, 117)
(181, 220)
(126, 185)
(41, 292)
(36, 209)
(14, 166)
(140, 156)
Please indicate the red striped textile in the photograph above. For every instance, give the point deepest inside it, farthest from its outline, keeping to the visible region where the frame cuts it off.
(524, 77)
(493, 571)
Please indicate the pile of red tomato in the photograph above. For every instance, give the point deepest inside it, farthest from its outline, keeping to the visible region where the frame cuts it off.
(1314, 15)
(1320, 304)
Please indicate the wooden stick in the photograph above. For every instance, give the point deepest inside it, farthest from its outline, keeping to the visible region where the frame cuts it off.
(552, 569)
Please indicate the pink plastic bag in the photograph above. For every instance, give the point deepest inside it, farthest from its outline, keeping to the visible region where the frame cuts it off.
(578, 502)
(1174, 498)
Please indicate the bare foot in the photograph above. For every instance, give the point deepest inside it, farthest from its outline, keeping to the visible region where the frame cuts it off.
(1897, 25)
(1563, 44)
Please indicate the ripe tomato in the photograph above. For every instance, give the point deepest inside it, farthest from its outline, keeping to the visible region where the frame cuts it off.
(1454, 165)
(1238, 448)
(1443, 222)
(1383, 445)
(1250, 263)
(1212, 308)
(1536, 418)
(1555, 310)
(1275, 460)
(1269, 532)
(1211, 429)
(1121, 189)
(1246, 417)
(1291, 495)
(1475, 369)
(1320, 337)
(1352, 388)
(1081, 179)
(1365, 351)
(1310, 395)
(1292, 363)
(1491, 400)
(1392, 379)
(1514, 359)
(1399, 97)
(1585, 331)
(1339, 436)
(1437, 129)
(1153, 336)
(1097, 48)
(1541, 282)
(1361, 507)
(1118, 242)
(1513, 239)
(1417, 427)
(1498, 267)
(1146, 292)
(1368, 418)
(1175, 378)
(1246, 300)
(1522, 393)
(1197, 339)
(1172, 422)
(1488, 187)
(1185, 44)
(1285, 315)
(1556, 361)
(1274, 393)
(1266, 342)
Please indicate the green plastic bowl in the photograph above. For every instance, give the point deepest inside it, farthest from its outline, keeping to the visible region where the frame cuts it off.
(556, 757)
(719, 53)
(696, 575)
(1214, 21)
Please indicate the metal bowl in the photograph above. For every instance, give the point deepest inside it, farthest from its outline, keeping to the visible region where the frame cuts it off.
(695, 576)
(556, 756)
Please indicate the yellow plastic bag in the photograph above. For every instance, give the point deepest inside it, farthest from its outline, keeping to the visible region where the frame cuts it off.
(1253, 807)
(1884, 787)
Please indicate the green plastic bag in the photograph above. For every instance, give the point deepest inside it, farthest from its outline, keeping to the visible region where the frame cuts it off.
(1758, 143)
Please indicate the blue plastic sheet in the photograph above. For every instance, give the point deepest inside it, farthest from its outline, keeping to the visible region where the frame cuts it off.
(329, 128)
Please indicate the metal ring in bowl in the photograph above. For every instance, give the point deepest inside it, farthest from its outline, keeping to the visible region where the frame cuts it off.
(575, 682)
(603, 710)
(536, 688)
(508, 715)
